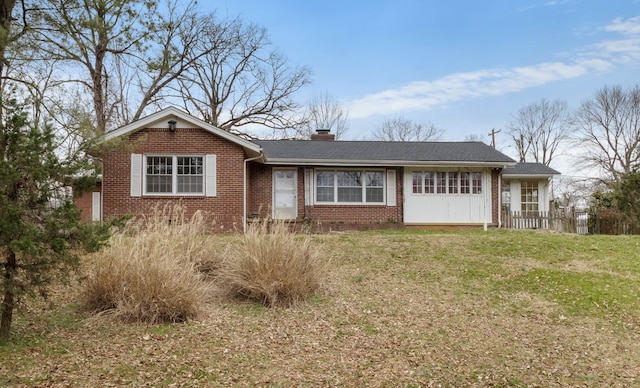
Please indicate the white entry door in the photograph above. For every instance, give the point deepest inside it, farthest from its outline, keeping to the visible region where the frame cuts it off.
(285, 185)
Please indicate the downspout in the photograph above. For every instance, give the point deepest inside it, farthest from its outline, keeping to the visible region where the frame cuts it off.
(102, 200)
(244, 192)
(500, 199)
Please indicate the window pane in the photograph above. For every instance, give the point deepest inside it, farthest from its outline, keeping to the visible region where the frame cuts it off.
(349, 186)
(441, 178)
(453, 183)
(375, 179)
(159, 174)
(159, 184)
(324, 178)
(529, 197)
(464, 183)
(324, 194)
(375, 186)
(190, 178)
(324, 186)
(349, 194)
(349, 179)
(417, 183)
(476, 182)
(190, 184)
(375, 194)
(429, 182)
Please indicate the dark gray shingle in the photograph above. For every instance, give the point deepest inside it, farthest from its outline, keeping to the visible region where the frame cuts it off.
(308, 150)
(530, 169)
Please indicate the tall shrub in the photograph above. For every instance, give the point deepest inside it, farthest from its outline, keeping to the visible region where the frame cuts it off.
(272, 265)
(151, 271)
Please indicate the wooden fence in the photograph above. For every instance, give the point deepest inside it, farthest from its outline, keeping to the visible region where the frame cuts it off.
(563, 220)
(608, 221)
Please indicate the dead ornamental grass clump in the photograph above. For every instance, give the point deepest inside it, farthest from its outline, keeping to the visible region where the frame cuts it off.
(153, 271)
(271, 265)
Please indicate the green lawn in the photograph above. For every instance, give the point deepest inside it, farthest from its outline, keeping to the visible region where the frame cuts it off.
(399, 308)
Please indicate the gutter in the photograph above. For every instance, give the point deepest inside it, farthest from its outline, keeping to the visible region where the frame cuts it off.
(244, 191)
(376, 163)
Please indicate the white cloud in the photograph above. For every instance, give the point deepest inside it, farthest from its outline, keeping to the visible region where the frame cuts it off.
(425, 95)
(630, 26)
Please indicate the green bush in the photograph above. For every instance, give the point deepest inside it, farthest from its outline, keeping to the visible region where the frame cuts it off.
(271, 265)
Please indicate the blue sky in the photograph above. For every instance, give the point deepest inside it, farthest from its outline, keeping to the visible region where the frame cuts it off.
(465, 66)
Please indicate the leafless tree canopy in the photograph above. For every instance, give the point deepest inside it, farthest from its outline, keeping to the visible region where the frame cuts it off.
(324, 112)
(539, 129)
(608, 130)
(476, 137)
(239, 79)
(125, 57)
(403, 129)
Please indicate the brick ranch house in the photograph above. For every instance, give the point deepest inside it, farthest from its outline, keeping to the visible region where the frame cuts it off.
(173, 156)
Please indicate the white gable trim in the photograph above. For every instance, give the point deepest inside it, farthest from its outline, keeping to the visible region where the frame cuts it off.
(173, 112)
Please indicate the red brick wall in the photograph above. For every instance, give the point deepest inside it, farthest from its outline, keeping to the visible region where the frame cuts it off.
(495, 194)
(260, 201)
(83, 203)
(226, 207)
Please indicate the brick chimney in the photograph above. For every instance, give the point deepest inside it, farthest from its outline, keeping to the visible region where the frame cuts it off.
(323, 134)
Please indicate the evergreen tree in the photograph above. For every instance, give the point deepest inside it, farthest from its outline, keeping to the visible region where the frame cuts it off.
(40, 231)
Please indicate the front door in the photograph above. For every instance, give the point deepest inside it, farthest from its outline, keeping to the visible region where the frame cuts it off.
(285, 185)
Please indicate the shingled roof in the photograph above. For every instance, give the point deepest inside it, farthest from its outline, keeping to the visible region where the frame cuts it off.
(530, 169)
(306, 152)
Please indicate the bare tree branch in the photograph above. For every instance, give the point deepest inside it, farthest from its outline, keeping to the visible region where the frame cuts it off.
(403, 129)
(539, 129)
(237, 80)
(608, 130)
(324, 112)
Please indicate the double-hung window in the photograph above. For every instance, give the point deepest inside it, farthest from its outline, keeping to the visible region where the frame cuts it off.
(174, 175)
(349, 186)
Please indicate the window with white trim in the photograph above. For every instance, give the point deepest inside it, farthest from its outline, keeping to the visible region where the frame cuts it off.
(174, 175)
(529, 197)
(349, 186)
(446, 182)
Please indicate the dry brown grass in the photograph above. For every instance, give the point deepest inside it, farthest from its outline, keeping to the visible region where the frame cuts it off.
(408, 309)
(153, 271)
(272, 266)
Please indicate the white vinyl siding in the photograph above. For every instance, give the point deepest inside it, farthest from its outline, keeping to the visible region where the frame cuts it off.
(461, 196)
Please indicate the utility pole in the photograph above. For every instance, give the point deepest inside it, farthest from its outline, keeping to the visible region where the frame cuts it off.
(493, 136)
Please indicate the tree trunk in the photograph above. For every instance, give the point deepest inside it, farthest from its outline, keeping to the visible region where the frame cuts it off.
(10, 268)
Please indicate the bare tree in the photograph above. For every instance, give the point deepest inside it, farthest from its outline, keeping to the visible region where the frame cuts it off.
(476, 137)
(608, 130)
(403, 129)
(242, 80)
(324, 112)
(539, 129)
(123, 52)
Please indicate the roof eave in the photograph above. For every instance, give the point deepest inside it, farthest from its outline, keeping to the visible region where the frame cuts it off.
(374, 163)
(528, 176)
(171, 111)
